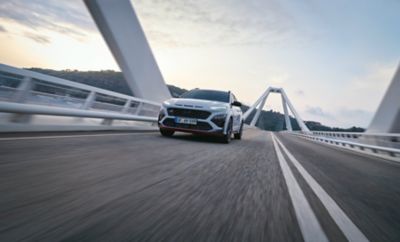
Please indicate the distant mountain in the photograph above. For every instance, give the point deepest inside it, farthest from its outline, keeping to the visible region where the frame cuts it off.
(114, 81)
(275, 121)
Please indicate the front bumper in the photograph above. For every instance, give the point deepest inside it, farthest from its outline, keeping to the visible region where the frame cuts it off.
(193, 131)
(203, 126)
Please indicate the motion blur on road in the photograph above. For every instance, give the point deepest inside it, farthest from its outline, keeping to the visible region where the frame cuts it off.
(122, 186)
(100, 149)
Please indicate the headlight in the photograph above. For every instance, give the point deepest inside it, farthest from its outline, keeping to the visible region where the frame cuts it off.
(219, 120)
(166, 103)
(220, 108)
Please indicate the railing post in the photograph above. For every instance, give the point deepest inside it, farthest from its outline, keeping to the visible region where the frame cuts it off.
(23, 90)
(126, 106)
(107, 121)
(20, 96)
(89, 100)
(139, 108)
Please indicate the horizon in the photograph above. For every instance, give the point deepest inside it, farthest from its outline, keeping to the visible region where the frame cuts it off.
(241, 46)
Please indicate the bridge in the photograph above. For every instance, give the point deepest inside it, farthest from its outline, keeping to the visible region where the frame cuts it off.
(80, 163)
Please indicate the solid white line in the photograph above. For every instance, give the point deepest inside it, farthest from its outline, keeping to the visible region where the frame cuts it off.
(64, 136)
(309, 225)
(349, 229)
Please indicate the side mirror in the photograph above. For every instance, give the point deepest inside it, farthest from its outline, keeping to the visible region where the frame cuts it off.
(237, 104)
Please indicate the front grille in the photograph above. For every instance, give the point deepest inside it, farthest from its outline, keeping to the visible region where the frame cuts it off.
(188, 113)
(204, 126)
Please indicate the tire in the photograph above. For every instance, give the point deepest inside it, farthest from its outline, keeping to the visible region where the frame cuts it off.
(239, 135)
(166, 132)
(228, 136)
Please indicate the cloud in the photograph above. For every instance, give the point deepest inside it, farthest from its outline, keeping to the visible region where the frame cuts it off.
(173, 23)
(300, 93)
(2, 29)
(317, 111)
(41, 39)
(355, 117)
(65, 17)
(342, 117)
(365, 90)
(229, 22)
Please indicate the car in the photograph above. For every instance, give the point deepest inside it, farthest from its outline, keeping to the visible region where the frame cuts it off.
(201, 111)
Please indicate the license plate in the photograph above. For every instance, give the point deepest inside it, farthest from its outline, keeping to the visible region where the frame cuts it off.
(186, 121)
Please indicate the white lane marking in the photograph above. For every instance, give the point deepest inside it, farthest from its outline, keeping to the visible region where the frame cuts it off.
(65, 136)
(349, 229)
(309, 225)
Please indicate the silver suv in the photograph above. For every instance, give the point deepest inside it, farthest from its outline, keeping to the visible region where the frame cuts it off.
(202, 111)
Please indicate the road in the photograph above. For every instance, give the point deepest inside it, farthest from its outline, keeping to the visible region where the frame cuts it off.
(145, 187)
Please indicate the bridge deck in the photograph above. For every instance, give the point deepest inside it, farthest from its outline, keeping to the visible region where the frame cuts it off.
(124, 186)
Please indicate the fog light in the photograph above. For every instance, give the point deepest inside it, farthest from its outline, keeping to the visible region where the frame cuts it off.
(219, 120)
(161, 115)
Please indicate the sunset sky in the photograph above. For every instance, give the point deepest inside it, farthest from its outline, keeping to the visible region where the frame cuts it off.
(335, 59)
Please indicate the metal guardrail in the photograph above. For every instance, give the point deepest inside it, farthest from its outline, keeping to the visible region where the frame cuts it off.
(395, 137)
(379, 139)
(57, 111)
(32, 93)
(334, 139)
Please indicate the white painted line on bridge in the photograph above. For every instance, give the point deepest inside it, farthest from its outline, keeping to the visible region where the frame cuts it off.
(64, 136)
(308, 222)
(349, 229)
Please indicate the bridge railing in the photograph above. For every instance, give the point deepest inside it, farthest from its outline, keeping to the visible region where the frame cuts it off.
(380, 144)
(379, 139)
(27, 92)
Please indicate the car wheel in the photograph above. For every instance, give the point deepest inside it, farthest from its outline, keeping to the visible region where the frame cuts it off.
(239, 135)
(166, 132)
(228, 136)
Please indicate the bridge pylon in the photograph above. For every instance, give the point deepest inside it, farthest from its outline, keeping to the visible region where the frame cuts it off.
(387, 117)
(121, 30)
(260, 103)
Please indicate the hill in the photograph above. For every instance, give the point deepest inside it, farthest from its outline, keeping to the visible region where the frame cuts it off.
(114, 81)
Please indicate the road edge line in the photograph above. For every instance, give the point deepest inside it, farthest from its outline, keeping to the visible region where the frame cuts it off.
(306, 218)
(348, 228)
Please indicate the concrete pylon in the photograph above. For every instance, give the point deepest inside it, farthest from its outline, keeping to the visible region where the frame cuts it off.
(260, 107)
(285, 102)
(285, 111)
(387, 117)
(120, 28)
(300, 121)
(248, 112)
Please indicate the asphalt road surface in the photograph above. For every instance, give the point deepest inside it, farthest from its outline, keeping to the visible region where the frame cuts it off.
(145, 187)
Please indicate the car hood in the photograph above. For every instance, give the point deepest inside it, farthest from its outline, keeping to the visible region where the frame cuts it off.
(195, 103)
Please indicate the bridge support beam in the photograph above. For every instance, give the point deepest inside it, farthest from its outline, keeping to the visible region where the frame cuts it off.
(259, 109)
(285, 102)
(120, 27)
(300, 121)
(287, 118)
(248, 112)
(387, 117)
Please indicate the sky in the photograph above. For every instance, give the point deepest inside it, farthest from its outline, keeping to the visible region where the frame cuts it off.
(335, 59)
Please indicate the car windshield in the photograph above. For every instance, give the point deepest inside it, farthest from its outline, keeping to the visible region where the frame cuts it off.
(210, 95)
